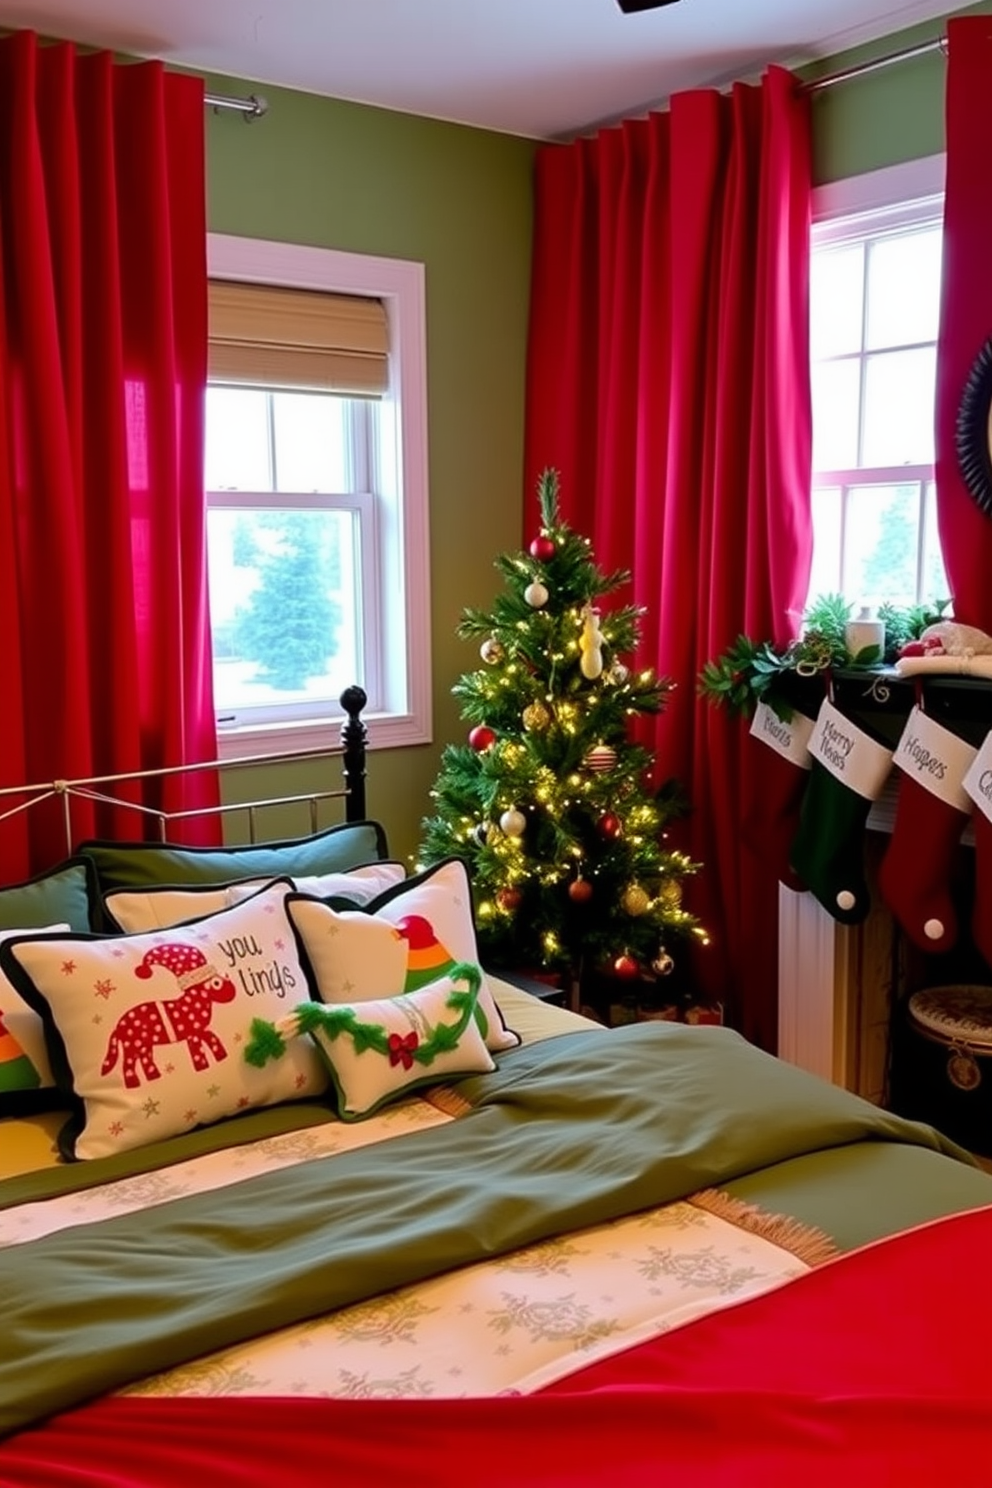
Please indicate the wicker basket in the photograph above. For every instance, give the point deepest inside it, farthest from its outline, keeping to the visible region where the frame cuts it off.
(943, 1072)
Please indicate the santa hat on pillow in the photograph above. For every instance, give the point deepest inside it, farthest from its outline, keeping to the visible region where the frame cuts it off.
(187, 964)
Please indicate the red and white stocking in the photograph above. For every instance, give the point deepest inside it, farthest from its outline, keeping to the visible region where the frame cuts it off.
(978, 784)
(931, 812)
(776, 770)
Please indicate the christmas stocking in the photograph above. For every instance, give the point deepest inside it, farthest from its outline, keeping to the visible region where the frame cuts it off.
(776, 767)
(978, 785)
(847, 771)
(931, 812)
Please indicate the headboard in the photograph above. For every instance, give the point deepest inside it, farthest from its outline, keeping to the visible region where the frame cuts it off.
(109, 789)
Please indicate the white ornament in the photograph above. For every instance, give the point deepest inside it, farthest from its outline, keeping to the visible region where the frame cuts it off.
(591, 644)
(513, 822)
(536, 595)
(845, 900)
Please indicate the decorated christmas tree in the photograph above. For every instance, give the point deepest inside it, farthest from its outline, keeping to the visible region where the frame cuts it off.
(549, 800)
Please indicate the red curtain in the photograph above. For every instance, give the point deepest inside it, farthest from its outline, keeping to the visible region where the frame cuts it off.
(966, 308)
(103, 600)
(668, 383)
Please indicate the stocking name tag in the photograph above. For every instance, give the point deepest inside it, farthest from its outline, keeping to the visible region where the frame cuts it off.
(978, 781)
(848, 753)
(791, 740)
(935, 758)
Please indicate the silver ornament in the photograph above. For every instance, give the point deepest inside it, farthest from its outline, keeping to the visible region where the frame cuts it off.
(492, 651)
(536, 595)
(513, 822)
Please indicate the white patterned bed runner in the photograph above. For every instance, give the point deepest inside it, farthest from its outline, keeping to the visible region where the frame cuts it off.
(509, 1325)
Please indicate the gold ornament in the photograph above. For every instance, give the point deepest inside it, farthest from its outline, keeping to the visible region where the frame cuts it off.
(492, 651)
(635, 899)
(536, 717)
(670, 893)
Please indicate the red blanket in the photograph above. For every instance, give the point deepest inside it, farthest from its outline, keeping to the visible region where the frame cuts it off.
(875, 1370)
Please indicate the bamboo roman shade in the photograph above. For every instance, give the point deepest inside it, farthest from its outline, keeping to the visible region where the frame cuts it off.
(297, 338)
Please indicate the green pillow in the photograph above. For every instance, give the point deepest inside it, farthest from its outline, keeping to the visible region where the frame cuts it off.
(65, 895)
(134, 865)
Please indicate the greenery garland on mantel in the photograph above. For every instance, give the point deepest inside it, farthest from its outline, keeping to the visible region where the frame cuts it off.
(751, 672)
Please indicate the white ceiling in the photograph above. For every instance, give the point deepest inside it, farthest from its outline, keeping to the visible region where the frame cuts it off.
(538, 68)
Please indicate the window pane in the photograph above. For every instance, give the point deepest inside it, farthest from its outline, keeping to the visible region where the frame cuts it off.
(825, 573)
(835, 415)
(881, 544)
(899, 403)
(904, 288)
(934, 583)
(310, 442)
(283, 605)
(835, 301)
(237, 440)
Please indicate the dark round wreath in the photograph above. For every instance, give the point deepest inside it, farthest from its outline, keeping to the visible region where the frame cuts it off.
(971, 434)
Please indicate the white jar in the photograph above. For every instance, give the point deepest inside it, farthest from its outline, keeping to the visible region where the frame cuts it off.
(865, 630)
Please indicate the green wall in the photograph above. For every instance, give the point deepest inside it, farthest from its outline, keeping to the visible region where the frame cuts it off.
(885, 117)
(339, 175)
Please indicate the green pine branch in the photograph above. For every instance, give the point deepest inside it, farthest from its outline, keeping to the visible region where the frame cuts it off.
(750, 672)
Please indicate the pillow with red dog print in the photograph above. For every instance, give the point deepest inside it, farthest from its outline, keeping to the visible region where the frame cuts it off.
(145, 1031)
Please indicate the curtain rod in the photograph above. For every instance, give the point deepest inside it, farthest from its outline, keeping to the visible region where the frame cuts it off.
(938, 44)
(252, 107)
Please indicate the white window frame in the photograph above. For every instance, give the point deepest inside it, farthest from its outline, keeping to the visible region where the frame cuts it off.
(896, 196)
(405, 717)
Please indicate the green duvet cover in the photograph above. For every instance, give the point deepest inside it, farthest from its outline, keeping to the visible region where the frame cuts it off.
(569, 1132)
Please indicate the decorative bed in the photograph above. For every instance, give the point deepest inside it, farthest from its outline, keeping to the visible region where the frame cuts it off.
(289, 1185)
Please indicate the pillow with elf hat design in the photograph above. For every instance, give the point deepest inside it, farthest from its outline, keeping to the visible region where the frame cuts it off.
(407, 937)
(146, 1031)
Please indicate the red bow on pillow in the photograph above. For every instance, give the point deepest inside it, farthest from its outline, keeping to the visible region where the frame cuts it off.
(401, 1047)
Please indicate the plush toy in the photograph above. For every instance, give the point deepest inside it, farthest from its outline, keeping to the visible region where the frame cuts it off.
(591, 643)
(950, 648)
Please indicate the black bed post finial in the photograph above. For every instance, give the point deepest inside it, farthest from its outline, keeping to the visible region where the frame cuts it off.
(354, 735)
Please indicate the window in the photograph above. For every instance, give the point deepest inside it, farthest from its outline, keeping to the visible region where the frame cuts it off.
(874, 306)
(316, 494)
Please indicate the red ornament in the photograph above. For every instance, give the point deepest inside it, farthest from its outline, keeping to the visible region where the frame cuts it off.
(542, 548)
(509, 898)
(481, 737)
(580, 889)
(609, 825)
(626, 967)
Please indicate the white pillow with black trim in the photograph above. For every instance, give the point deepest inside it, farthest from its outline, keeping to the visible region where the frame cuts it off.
(407, 937)
(145, 1032)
